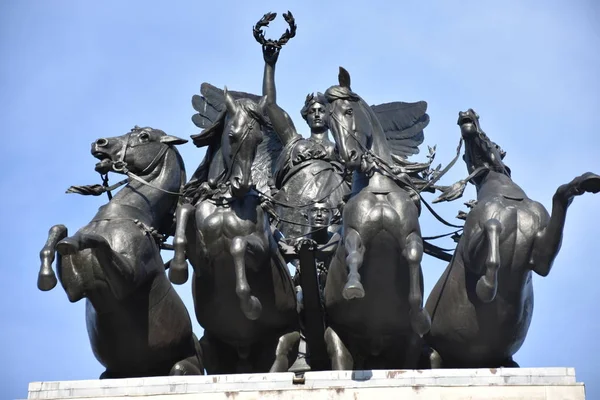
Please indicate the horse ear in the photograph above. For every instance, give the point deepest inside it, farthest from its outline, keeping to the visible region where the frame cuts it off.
(229, 102)
(344, 78)
(172, 140)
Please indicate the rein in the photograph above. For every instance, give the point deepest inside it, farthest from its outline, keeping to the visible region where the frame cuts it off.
(388, 171)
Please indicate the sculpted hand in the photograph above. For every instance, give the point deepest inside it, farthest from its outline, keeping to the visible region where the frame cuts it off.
(302, 241)
(286, 249)
(270, 53)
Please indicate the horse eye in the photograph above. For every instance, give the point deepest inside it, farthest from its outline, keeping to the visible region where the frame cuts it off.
(144, 136)
(349, 111)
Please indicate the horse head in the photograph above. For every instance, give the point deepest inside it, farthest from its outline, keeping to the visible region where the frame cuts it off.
(352, 123)
(242, 133)
(137, 151)
(480, 151)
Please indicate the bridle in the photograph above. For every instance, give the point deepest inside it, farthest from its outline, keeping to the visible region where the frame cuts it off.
(387, 170)
(120, 166)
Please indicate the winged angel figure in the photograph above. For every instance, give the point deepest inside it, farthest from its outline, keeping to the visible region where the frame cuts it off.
(284, 161)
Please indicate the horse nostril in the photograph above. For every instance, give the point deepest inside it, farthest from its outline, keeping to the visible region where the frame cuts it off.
(101, 142)
(353, 155)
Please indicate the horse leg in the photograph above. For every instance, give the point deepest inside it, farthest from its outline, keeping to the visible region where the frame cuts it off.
(192, 365)
(487, 285)
(284, 347)
(120, 273)
(341, 360)
(178, 269)
(548, 241)
(355, 252)
(46, 277)
(413, 252)
(250, 305)
(435, 360)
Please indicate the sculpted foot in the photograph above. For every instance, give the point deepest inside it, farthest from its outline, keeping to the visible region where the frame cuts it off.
(46, 281)
(252, 308)
(46, 277)
(178, 272)
(590, 183)
(353, 288)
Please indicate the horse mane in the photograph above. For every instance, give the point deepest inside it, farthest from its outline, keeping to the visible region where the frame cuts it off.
(338, 92)
(212, 169)
(167, 225)
(499, 166)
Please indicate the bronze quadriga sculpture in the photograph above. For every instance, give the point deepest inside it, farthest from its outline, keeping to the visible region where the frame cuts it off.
(344, 212)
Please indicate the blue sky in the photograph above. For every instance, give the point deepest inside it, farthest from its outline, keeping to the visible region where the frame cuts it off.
(73, 71)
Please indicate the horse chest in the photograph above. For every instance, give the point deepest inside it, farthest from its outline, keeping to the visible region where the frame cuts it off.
(220, 223)
(522, 217)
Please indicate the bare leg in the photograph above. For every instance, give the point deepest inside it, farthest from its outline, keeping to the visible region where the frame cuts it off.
(284, 346)
(419, 318)
(355, 253)
(487, 285)
(120, 273)
(341, 360)
(250, 305)
(178, 270)
(46, 277)
(548, 241)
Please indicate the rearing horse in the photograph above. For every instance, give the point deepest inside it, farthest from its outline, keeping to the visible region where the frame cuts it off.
(243, 292)
(137, 323)
(482, 305)
(377, 314)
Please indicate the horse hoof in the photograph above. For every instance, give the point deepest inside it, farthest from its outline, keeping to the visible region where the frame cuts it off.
(485, 291)
(420, 322)
(185, 368)
(435, 360)
(67, 246)
(178, 274)
(46, 282)
(252, 309)
(590, 183)
(353, 290)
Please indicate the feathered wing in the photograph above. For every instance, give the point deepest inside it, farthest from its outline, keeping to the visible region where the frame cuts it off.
(210, 104)
(263, 168)
(403, 125)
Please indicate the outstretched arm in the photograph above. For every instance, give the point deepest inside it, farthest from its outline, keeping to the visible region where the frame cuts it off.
(281, 121)
(270, 54)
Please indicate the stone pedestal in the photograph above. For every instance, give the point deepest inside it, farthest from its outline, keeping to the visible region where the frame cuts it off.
(446, 384)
